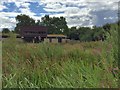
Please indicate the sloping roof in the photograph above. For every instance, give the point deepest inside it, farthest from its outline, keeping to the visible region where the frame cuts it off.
(33, 28)
(56, 35)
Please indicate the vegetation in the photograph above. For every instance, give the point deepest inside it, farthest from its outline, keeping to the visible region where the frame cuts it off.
(5, 30)
(58, 25)
(84, 65)
(55, 25)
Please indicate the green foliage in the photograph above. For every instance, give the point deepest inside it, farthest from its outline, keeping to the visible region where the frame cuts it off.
(113, 40)
(88, 34)
(47, 65)
(107, 27)
(22, 21)
(5, 30)
(56, 25)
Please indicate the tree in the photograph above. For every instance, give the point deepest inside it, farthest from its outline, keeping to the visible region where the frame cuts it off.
(63, 25)
(38, 22)
(56, 25)
(22, 21)
(107, 27)
(73, 33)
(5, 30)
(82, 33)
(86, 34)
(99, 34)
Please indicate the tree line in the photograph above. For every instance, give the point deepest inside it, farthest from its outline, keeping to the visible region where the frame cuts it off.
(58, 25)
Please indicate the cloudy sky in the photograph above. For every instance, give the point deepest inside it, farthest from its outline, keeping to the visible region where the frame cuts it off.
(76, 12)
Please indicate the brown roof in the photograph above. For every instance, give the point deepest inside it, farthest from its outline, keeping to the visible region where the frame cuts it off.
(35, 28)
(56, 35)
(32, 31)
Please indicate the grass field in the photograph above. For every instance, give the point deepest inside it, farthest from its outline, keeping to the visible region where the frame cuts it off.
(75, 65)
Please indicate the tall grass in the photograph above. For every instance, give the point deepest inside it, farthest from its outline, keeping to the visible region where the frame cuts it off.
(81, 65)
(0, 65)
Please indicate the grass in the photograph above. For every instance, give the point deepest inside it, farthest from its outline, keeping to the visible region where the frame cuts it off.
(48, 65)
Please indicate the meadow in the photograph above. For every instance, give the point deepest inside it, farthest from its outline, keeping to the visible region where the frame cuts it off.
(65, 65)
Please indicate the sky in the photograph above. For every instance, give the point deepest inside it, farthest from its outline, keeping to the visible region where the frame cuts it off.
(76, 12)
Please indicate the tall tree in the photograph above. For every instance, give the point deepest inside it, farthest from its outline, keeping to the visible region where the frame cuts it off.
(5, 30)
(86, 34)
(73, 33)
(99, 33)
(63, 25)
(22, 21)
(56, 25)
(107, 27)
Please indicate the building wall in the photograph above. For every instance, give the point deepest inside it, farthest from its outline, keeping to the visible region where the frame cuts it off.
(33, 31)
(55, 40)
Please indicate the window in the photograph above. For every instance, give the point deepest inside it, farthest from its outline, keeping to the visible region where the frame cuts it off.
(42, 32)
(31, 32)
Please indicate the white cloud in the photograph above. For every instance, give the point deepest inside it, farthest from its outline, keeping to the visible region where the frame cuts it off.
(76, 12)
(22, 4)
(9, 14)
(8, 18)
(27, 11)
(2, 7)
(82, 12)
(8, 23)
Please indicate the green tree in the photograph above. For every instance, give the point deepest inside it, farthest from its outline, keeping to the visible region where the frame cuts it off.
(73, 33)
(56, 25)
(63, 25)
(107, 27)
(46, 20)
(86, 34)
(99, 33)
(23, 20)
(5, 30)
(82, 33)
(38, 22)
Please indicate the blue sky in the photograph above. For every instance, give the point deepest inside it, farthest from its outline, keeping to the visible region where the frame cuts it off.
(76, 12)
(10, 7)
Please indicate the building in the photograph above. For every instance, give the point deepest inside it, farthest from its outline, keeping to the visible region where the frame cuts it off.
(38, 34)
(33, 33)
(54, 38)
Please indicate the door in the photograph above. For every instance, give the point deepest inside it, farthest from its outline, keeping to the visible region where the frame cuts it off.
(59, 40)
